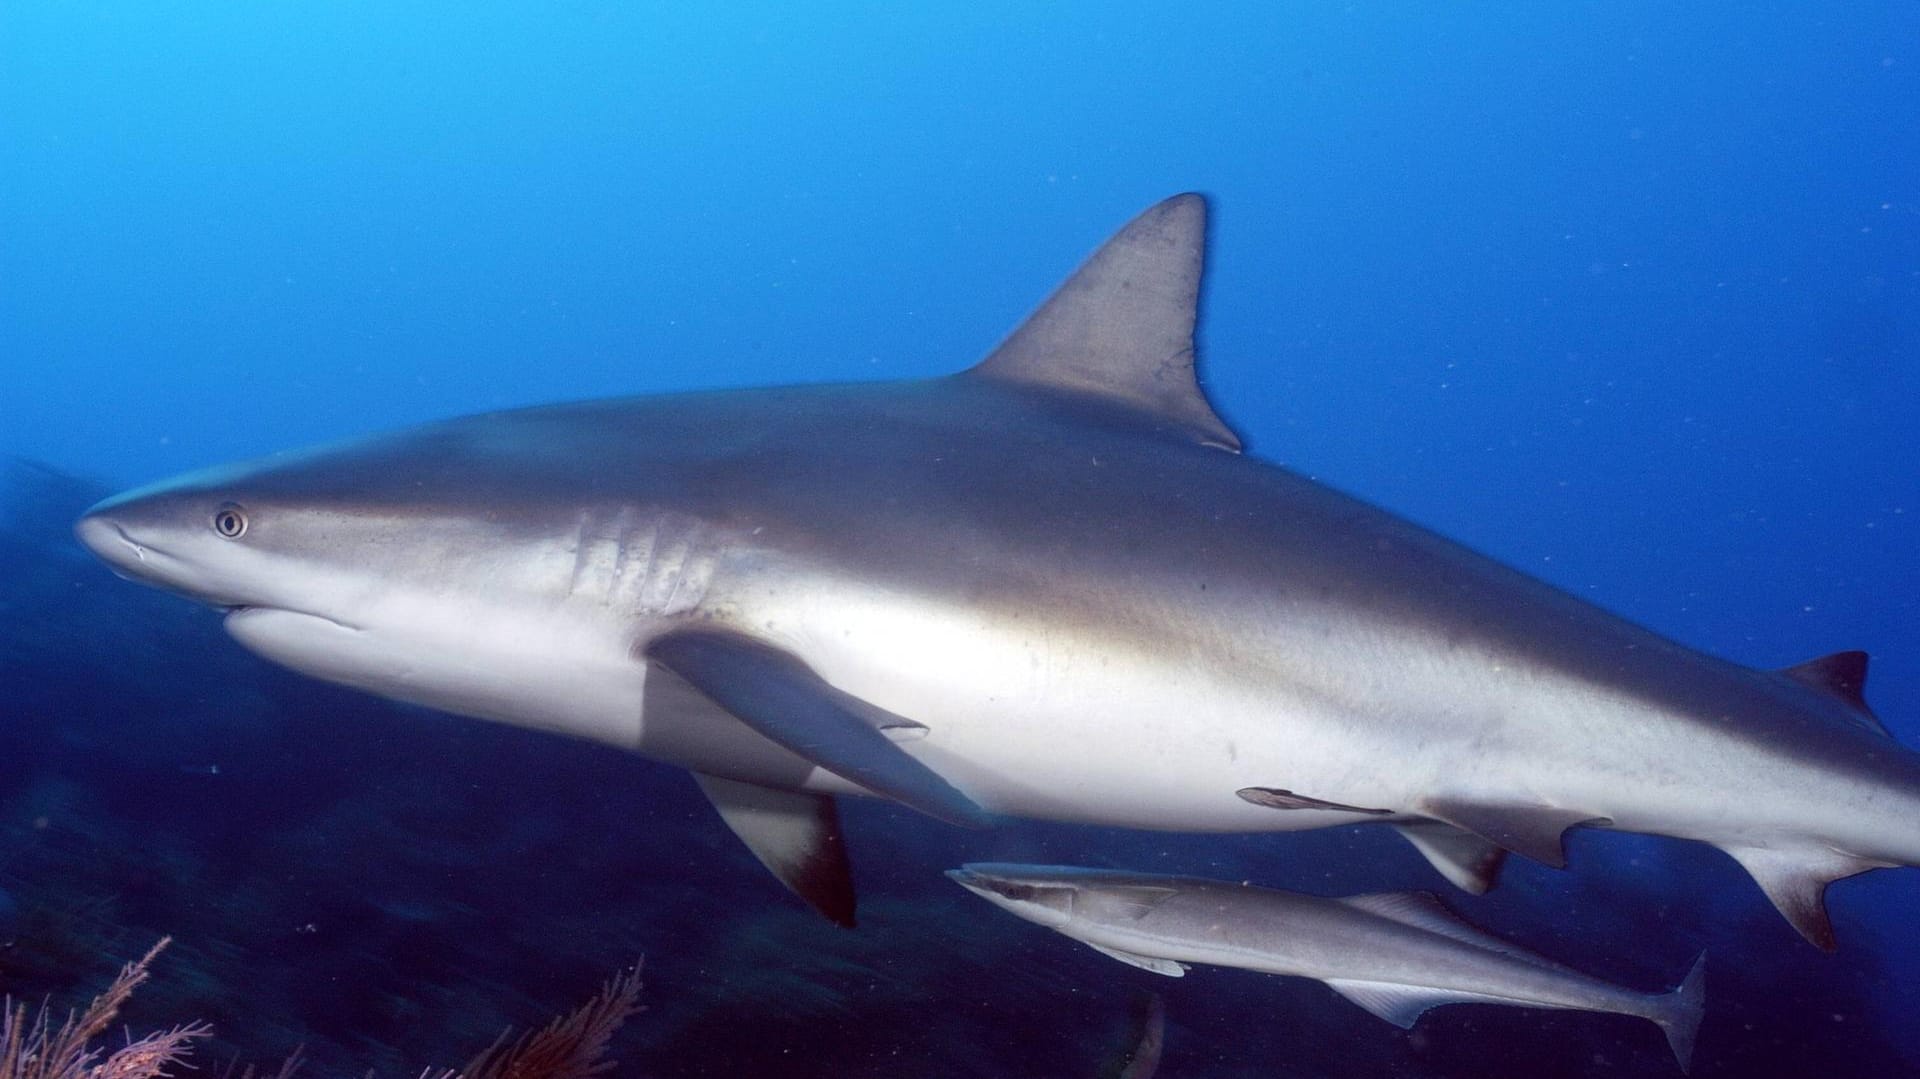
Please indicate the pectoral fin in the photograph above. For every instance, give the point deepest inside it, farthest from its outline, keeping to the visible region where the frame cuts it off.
(1532, 830)
(777, 694)
(795, 835)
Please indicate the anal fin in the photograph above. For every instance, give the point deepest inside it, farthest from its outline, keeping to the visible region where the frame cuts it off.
(1796, 879)
(795, 835)
(1533, 830)
(1470, 862)
(1403, 1005)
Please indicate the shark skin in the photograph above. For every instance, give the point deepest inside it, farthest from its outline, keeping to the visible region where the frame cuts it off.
(1394, 954)
(1047, 587)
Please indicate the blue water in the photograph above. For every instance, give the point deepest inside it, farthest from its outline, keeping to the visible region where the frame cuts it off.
(1627, 294)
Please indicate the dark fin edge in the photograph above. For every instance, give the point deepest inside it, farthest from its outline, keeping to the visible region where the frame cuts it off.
(796, 835)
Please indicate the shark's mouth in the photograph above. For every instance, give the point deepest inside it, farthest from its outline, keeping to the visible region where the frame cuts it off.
(241, 613)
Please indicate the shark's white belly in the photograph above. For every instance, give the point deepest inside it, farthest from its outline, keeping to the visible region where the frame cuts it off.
(511, 666)
(1032, 724)
(1029, 717)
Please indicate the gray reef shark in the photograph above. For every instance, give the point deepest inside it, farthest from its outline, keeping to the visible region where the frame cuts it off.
(1049, 586)
(1394, 954)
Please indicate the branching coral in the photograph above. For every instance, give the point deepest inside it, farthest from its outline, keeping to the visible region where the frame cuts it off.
(573, 1046)
(35, 1049)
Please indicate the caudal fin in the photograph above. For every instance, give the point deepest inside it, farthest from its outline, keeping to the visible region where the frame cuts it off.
(1681, 1009)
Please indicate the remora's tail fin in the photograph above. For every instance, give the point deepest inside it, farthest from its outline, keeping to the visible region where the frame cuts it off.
(1680, 1012)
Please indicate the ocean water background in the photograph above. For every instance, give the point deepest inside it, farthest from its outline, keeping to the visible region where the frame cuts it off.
(1625, 294)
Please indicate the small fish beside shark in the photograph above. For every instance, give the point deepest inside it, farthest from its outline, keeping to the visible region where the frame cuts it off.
(1049, 586)
(1394, 954)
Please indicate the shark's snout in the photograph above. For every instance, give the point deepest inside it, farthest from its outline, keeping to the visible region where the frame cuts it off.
(138, 539)
(100, 533)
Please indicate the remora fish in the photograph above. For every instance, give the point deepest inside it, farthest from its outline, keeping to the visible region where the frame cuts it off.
(1049, 587)
(1395, 954)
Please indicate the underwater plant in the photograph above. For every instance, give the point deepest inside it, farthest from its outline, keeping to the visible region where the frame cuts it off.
(36, 1049)
(573, 1046)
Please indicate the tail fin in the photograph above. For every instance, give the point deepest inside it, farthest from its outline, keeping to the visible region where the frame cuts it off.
(1681, 1009)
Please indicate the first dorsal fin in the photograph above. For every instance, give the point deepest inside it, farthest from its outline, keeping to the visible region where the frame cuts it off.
(1842, 675)
(1121, 328)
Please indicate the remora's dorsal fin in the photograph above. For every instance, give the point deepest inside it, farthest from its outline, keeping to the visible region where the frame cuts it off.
(795, 835)
(1121, 328)
(777, 694)
(1842, 675)
(1423, 911)
(1139, 900)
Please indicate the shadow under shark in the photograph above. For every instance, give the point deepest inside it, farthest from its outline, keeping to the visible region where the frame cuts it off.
(1049, 586)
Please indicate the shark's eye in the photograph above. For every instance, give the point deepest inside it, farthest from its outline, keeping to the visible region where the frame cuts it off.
(230, 521)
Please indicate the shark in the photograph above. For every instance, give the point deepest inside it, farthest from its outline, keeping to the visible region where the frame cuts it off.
(1396, 954)
(1050, 585)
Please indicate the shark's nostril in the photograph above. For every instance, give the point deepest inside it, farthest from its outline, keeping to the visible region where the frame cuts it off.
(99, 535)
(139, 552)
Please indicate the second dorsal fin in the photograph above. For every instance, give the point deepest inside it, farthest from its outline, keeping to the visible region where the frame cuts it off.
(1842, 675)
(1121, 328)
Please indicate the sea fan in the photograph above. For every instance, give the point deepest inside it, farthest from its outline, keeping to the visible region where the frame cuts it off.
(35, 1049)
(571, 1047)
